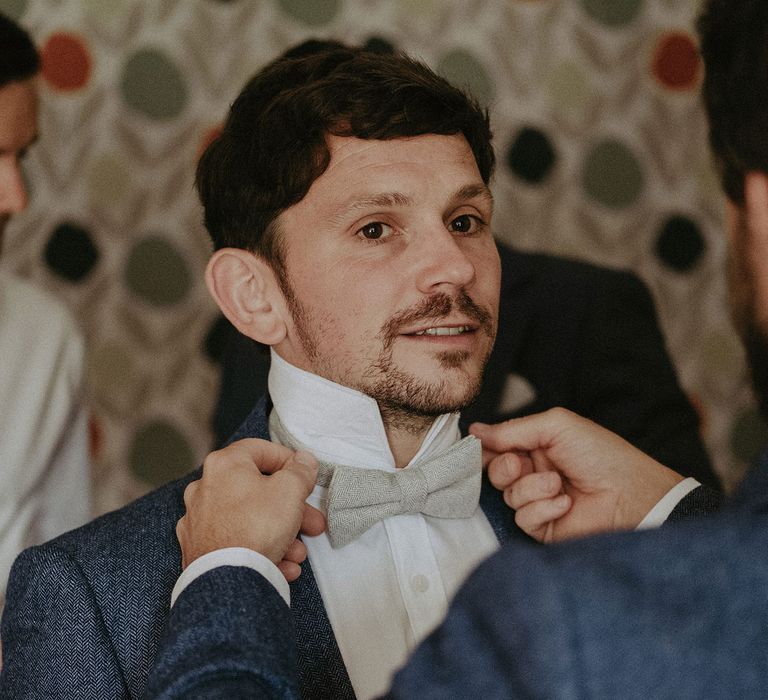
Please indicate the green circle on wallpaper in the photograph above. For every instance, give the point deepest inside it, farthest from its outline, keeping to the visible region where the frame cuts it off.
(612, 175)
(569, 86)
(112, 370)
(160, 452)
(104, 9)
(108, 179)
(465, 71)
(13, 8)
(313, 13)
(157, 273)
(152, 85)
(612, 13)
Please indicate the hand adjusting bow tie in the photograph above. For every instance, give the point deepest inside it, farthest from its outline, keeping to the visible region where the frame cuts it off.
(444, 486)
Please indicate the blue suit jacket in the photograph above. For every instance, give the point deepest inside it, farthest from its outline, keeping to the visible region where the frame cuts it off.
(85, 612)
(677, 613)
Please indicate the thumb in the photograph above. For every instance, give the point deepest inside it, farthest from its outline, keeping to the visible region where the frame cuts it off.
(303, 466)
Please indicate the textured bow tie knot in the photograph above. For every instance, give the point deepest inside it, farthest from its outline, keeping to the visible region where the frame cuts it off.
(413, 490)
(444, 486)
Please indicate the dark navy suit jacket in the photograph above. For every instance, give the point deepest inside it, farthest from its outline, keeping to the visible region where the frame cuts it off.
(580, 336)
(85, 612)
(679, 613)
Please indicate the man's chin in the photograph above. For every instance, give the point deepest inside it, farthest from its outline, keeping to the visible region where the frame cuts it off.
(450, 391)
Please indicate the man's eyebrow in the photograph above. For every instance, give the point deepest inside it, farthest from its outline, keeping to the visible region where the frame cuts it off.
(381, 199)
(398, 199)
(479, 190)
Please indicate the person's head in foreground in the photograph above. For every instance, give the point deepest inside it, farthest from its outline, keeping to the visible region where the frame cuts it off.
(19, 63)
(734, 46)
(348, 202)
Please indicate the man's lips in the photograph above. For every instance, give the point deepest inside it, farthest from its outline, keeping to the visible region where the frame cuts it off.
(440, 330)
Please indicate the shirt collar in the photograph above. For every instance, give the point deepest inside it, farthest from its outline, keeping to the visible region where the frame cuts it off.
(339, 424)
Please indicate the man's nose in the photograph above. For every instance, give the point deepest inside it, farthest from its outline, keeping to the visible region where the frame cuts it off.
(444, 262)
(13, 192)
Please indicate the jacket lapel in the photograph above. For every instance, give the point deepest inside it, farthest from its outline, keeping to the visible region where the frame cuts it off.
(499, 514)
(322, 673)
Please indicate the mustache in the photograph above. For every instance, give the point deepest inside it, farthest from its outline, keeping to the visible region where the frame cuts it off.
(433, 309)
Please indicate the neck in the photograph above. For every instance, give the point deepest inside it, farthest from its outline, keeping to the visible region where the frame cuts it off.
(405, 433)
(338, 423)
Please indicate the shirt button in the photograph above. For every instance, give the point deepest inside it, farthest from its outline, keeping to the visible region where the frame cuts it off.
(419, 583)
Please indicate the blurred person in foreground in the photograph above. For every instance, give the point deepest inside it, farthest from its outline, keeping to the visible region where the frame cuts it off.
(45, 475)
(678, 612)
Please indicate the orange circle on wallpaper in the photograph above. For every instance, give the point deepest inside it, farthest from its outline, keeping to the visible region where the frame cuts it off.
(66, 63)
(676, 61)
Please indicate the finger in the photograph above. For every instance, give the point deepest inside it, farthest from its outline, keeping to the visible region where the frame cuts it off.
(507, 468)
(297, 552)
(290, 569)
(534, 517)
(312, 521)
(541, 463)
(488, 455)
(303, 466)
(181, 536)
(528, 433)
(189, 492)
(267, 457)
(533, 487)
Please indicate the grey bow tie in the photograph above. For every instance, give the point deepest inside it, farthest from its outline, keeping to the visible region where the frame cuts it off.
(444, 486)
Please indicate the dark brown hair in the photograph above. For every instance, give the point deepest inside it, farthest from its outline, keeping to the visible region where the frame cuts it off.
(734, 46)
(18, 56)
(273, 146)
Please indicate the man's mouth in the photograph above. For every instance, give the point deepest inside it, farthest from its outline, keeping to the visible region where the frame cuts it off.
(455, 330)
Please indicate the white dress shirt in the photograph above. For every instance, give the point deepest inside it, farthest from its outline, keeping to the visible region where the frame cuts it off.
(388, 589)
(45, 480)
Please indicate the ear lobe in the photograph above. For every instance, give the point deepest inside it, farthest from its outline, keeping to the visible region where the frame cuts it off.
(244, 287)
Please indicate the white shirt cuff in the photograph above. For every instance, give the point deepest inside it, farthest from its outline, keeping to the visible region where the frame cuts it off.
(233, 556)
(660, 512)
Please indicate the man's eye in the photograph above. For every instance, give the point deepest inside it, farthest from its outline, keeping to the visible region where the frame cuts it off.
(465, 224)
(375, 231)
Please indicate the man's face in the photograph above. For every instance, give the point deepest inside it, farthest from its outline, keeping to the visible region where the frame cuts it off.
(18, 128)
(746, 272)
(391, 273)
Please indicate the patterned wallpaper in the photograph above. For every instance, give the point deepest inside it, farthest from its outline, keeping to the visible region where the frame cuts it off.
(602, 150)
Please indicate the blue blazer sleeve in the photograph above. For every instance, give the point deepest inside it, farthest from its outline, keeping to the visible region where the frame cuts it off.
(51, 614)
(229, 635)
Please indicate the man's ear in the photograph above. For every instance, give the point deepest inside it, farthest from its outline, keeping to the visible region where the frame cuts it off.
(246, 290)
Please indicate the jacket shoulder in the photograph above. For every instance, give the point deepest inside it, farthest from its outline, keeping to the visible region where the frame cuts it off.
(108, 584)
(556, 272)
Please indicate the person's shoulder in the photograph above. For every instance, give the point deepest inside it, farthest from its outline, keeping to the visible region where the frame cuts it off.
(646, 560)
(38, 315)
(562, 272)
